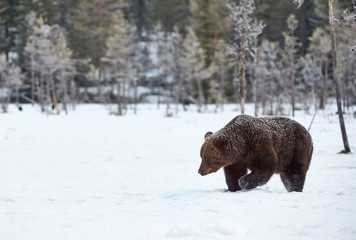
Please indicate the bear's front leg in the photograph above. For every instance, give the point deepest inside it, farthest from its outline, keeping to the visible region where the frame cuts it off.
(262, 167)
(232, 175)
(254, 179)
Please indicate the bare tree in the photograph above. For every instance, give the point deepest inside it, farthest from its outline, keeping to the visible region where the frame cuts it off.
(336, 79)
(290, 45)
(245, 29)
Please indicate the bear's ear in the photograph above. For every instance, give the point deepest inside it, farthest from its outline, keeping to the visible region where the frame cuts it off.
(207, 135)
(220, 141)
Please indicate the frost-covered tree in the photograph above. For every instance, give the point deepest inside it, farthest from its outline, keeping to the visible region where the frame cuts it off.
(40, 50)
(346, 61)
(311, 74)
(164, 64)
(245, 30)
(64, 68)
(270, 87)
(30, 50)
(49, 55)
(349, 18)
(142, 64)
(121, 46)
(291, 44)
(320, 48)
(219, 67)
(11, 80)
(179, 88)
(3, 89)
(194, 69)
(298, 3)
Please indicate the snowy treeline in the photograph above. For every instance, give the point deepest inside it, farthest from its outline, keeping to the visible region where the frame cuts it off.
(125, 52)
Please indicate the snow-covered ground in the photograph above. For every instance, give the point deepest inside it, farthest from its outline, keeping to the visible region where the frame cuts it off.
(91, 175)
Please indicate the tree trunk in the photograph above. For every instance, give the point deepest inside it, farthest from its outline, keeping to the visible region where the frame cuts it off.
(41, 92)
(158, 91)
(322, 91)
(64, 92)
(179, 92)
(100, 50)
(243, 81)
(256, 78)
(17, 96)
(32, 78)
(221, 89)
(136, 93)
(336, 80)
(118, 98)
(292, 79)
(138, 16)
(54, 97)
(200, 94)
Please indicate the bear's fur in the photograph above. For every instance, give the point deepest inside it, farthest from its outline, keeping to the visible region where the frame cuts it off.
(264, 146)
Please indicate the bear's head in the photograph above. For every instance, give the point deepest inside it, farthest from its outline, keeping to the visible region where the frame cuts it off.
(212, 153)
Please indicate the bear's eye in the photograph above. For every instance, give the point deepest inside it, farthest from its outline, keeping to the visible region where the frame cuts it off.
(218, 161)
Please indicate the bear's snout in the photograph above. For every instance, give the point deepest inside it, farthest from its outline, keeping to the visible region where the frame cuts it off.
(203, 171)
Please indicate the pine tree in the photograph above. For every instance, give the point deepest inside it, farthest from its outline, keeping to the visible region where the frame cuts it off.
(169, 13)
(273, 14)
(211, 23)
(158, 39)
(245, 29)
(92, 21)
(10, 18)
(121, 47)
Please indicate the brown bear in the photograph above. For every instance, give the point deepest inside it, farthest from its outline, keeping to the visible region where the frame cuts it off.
(262, 145)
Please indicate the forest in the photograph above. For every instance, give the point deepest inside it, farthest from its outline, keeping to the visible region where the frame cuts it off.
(273, 53)
(105, 106)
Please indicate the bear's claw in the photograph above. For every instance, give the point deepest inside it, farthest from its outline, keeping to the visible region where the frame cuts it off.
(243, 183)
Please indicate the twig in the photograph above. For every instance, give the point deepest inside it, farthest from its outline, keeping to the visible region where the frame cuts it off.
(29, 99)
(311, 122)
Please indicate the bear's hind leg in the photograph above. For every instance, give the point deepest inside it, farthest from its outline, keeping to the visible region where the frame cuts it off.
(232, 176)
(293, 182)
(293, 176)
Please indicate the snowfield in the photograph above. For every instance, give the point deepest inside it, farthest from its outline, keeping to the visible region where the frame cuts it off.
(91, 175)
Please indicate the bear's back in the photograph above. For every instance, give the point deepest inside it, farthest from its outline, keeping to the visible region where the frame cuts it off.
(248, 129)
